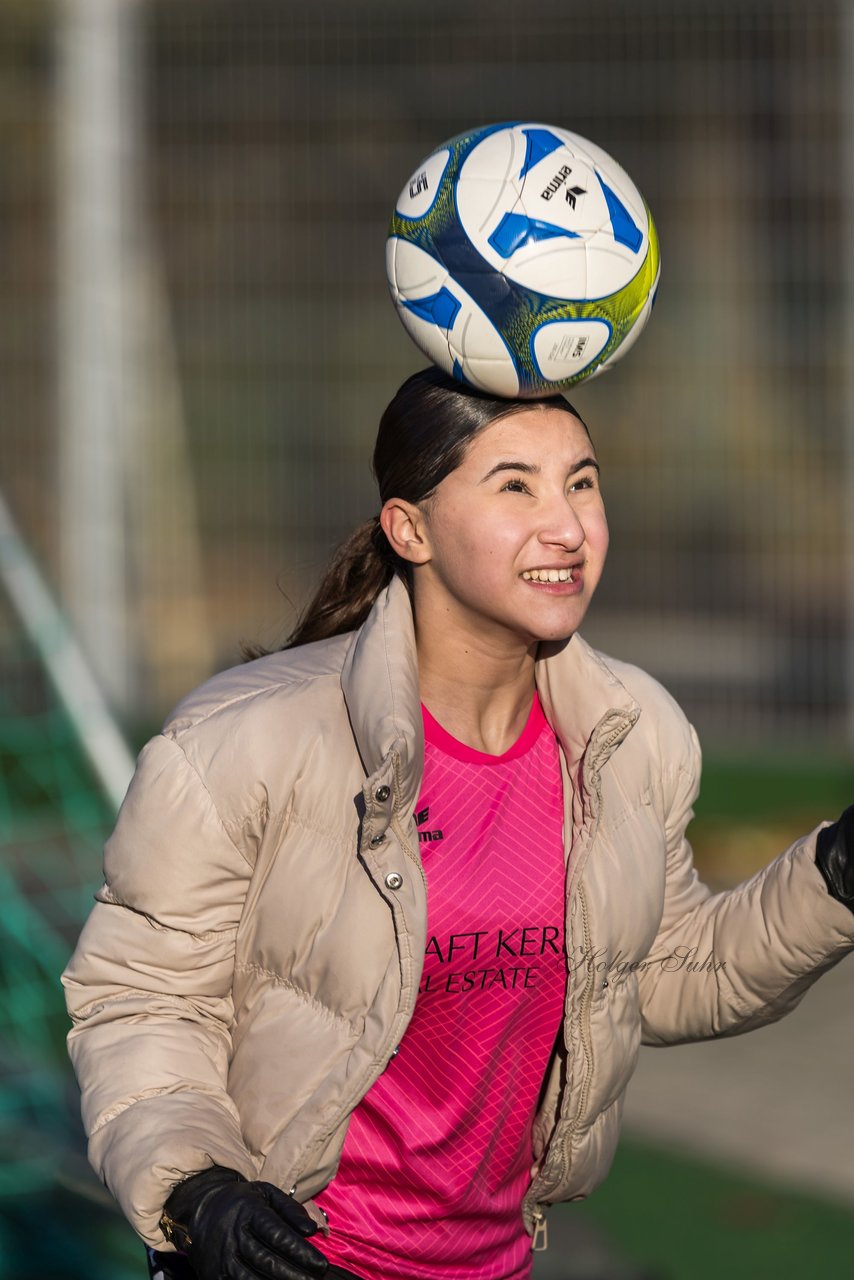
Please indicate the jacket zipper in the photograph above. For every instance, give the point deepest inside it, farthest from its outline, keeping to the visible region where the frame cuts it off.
(588, 1001)
(557, 1151)
(585, 1021)
(540, 1240)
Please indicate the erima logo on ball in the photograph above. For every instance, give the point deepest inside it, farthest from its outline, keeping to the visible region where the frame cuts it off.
(551, 188)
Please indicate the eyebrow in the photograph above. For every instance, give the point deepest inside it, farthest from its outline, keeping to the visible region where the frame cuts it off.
(530, 469)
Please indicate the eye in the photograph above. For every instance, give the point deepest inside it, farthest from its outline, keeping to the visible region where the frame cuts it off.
(515, 486)
(583, 482)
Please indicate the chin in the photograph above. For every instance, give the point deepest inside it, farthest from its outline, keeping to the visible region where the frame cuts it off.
(555, 636)
(559, 628)
(544, 634)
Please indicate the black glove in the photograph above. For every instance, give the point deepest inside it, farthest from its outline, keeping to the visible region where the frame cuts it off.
(834, 857)
(240, 1230)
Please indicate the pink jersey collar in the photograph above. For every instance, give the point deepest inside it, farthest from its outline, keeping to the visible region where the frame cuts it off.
(439, 737)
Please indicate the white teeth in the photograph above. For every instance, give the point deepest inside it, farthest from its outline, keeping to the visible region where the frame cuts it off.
(547, 575)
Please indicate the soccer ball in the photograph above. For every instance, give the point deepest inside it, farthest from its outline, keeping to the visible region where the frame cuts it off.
(522, 259)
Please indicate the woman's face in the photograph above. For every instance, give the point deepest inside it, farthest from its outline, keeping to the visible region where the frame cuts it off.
(515, 538)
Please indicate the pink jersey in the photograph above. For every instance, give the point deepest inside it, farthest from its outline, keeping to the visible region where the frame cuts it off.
(438, 1154)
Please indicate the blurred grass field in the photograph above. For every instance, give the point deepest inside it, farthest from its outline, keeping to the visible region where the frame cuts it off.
(686, 1219)
(752, 807)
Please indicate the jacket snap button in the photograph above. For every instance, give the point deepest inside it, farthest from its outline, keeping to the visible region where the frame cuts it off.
(394, 880)
(377, 840)
(382, 794)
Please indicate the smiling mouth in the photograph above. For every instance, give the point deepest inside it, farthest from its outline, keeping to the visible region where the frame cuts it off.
(547, 575)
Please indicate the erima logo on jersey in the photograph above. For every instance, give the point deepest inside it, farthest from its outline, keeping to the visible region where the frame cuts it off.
(420, 818)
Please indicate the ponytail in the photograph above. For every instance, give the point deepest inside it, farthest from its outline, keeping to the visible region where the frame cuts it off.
(360, 568)
(423, 435)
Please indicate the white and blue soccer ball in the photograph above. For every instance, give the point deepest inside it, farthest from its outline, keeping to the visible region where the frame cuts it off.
(522, 259)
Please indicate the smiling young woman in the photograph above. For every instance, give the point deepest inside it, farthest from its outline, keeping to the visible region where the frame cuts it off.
(506, 553)
(388, 912)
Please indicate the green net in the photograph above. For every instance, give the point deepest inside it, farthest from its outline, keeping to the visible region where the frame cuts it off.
(53, 820)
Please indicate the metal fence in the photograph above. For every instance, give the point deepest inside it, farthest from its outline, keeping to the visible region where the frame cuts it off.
(196, 341)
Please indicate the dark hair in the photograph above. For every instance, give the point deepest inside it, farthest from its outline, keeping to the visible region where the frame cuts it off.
(422, 437)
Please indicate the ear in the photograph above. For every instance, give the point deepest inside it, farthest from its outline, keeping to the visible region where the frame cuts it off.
(404, 525)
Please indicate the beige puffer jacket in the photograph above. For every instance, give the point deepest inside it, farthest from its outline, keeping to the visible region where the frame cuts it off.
(254, 956)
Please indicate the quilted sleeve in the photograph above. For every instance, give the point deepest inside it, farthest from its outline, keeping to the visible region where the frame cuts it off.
(727, 962)
(148, 990)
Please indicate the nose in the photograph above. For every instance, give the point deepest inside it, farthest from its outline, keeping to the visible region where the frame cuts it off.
(562, 526)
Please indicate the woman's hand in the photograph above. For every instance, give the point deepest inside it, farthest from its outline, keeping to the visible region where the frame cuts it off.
(242, 1230)
(834, 857)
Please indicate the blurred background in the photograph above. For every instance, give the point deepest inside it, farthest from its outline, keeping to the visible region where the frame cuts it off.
(196, 343)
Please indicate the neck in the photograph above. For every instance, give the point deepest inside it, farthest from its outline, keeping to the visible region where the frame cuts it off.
(478, 686)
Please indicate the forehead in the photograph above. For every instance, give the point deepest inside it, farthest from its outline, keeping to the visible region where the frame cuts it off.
(539, 433)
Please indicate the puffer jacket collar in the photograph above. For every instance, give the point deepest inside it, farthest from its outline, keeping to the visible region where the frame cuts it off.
(379, 681)
(590, 710)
